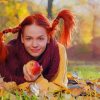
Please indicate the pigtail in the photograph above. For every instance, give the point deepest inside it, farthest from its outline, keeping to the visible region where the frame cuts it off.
(68, 19)
(12, 30)
(3, 48)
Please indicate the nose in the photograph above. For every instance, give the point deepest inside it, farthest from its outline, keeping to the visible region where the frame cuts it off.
(34, 44)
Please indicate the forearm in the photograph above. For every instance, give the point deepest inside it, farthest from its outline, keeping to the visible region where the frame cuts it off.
(8, 76)
(17, 79)
(61, 76)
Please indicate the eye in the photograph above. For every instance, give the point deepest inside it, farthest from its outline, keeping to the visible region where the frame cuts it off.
(29, 38)
(41, 38)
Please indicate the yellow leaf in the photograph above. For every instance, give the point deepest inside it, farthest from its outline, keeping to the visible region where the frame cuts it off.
(24, 86)
(69, 75)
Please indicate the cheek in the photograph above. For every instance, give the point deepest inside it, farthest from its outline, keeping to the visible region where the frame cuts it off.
(27, 44)
(43, 44)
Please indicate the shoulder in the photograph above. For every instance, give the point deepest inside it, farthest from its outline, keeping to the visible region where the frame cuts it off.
(61, 47)
(12, 42)
(11, 46)
(62, 51)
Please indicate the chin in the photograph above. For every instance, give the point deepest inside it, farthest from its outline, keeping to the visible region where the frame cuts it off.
(35, 55)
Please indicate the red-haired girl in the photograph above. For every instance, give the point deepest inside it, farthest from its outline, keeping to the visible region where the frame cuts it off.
(36, 41)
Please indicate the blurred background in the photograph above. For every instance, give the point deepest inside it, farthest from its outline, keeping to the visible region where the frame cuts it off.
(84, 52)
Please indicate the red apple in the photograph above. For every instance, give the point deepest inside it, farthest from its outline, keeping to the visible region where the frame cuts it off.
(36, 68)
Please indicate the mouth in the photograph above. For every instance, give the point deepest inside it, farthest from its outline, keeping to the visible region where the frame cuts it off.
(35, 50)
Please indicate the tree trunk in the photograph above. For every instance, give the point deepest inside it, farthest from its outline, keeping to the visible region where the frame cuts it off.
(49, 9)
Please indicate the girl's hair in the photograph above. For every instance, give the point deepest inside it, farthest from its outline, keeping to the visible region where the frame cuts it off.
(3, 50)
(42, 21)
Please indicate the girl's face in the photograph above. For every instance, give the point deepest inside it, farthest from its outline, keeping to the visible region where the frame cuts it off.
(34, 39)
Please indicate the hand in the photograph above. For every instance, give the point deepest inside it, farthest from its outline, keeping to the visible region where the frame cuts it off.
(32, 70)
(28, 74)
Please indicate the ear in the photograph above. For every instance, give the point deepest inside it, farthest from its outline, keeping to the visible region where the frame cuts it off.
(22, 38)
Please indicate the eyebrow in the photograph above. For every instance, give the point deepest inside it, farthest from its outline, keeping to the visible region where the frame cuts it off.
(38, 36)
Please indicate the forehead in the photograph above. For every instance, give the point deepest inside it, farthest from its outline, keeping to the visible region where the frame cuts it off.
(34, 30)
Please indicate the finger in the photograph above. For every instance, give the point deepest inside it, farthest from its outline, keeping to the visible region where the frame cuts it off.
(26, 78)
(26, 73)
(29, 71)
(33, 77)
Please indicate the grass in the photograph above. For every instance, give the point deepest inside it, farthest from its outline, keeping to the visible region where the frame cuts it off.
(86, 71)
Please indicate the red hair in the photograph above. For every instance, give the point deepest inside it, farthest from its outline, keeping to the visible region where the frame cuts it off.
(3, 50)
(42, 21)
(68, 25)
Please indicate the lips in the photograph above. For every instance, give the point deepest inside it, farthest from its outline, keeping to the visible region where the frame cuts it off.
(35, 50)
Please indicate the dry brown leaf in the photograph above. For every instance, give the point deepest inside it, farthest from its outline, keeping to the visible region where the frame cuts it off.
(63, 88)
(86, 88)
(76, 91)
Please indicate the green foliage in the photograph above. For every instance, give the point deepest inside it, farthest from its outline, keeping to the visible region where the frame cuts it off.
(33, 97)
(86, 71)
(18, 96)
(83, 49)
(12, 12)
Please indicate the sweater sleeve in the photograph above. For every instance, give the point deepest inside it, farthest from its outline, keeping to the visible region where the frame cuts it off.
(9, 76)
(61, 77)
(9, 66)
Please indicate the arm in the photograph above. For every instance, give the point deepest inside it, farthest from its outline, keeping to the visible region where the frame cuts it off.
(8, 76)
(8, 67)
(61, 77)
